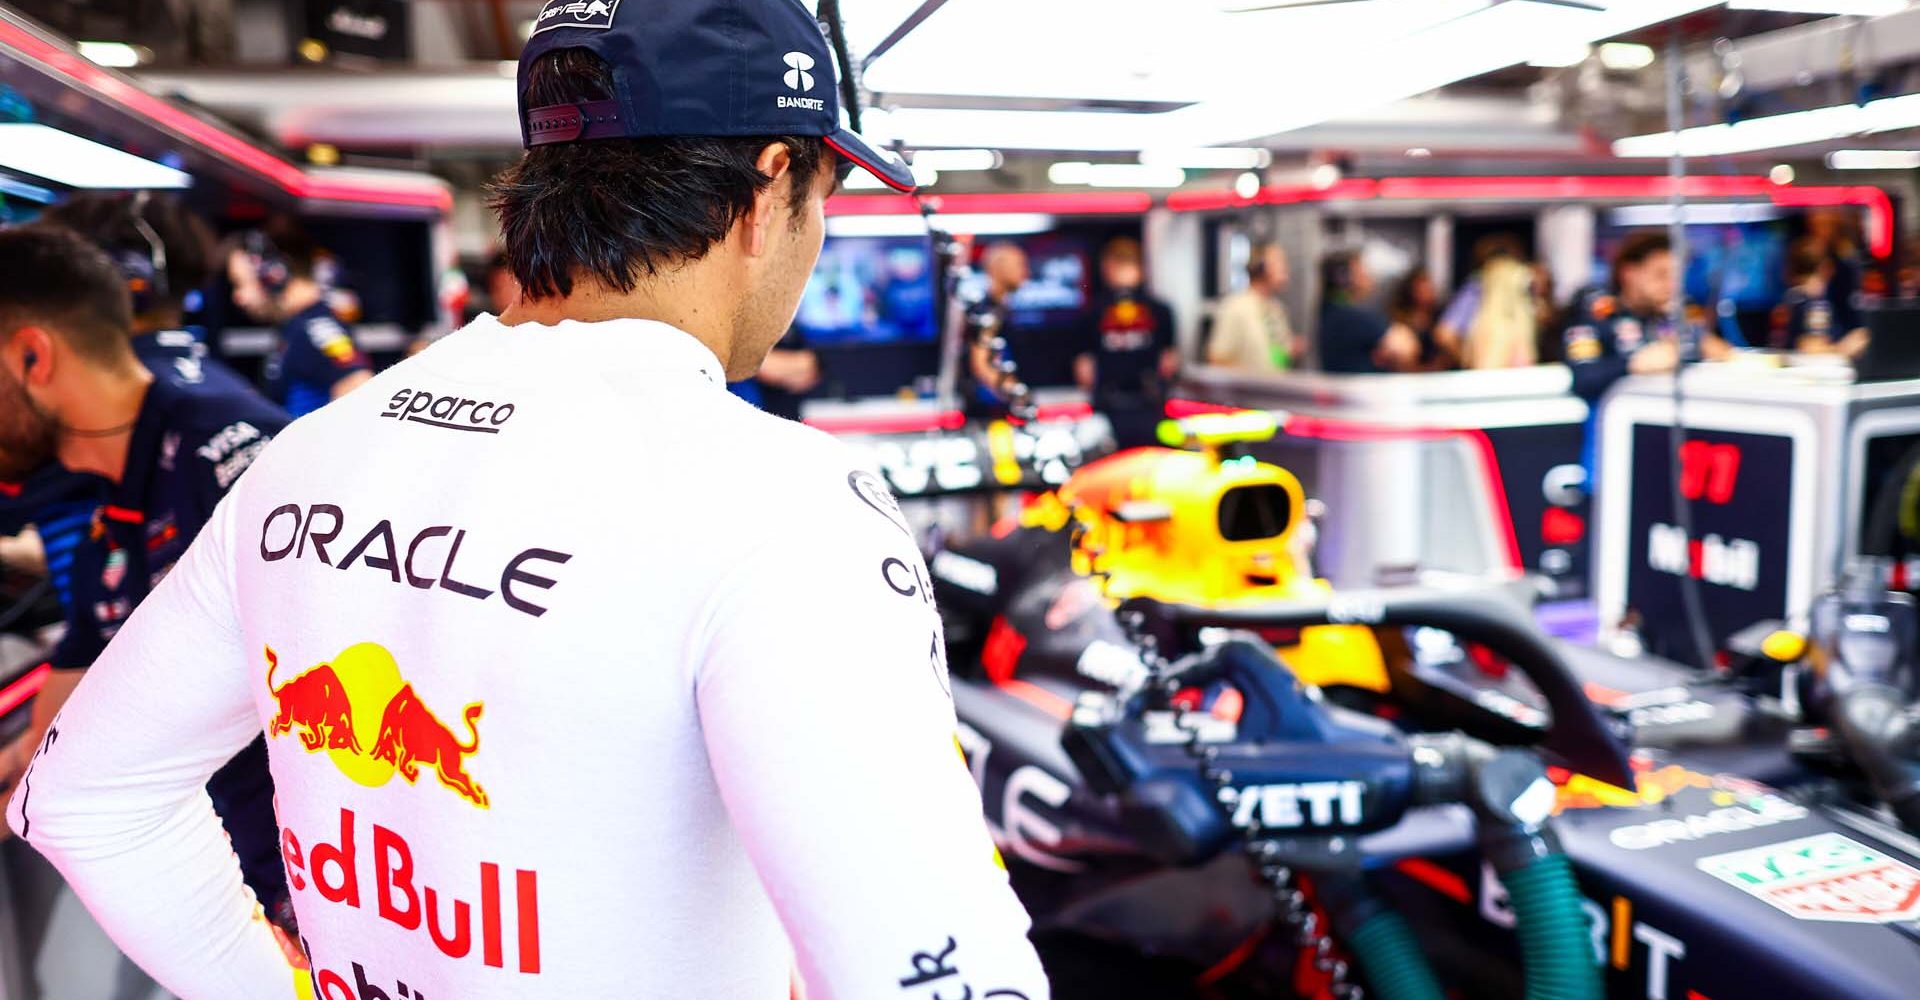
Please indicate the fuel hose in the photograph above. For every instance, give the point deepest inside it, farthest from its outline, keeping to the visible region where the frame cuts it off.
(1556, 943)
(1382, 943)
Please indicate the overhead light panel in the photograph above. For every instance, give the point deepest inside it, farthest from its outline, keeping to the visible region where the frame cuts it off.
(1208, 158)
(1859, 8)
(113, 55)
(1692, 214)
(1795, 128)
(966, 224)
(1626, 55)
(65, 158)
(1561, 56)
(957, 160)
(1874, 159)
(1116, 175)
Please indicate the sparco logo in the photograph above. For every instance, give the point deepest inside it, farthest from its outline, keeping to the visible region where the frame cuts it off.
(451, 412)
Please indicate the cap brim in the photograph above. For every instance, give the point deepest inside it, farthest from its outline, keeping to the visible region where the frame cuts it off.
(889, 169)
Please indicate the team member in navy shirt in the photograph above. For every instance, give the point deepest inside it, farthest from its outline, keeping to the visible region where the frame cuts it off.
(1808, 319)
(1128, 358)
(316, 360)
(164, 253)
(160, 452)
(1356, 339)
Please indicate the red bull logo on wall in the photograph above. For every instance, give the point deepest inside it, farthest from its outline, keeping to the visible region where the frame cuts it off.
(372, 723)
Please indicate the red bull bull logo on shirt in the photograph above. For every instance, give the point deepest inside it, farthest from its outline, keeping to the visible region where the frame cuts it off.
(329, 706)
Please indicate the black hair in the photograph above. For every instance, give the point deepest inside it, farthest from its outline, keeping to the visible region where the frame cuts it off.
(1336, 273)
(1635, 250)
(1494, 246)
(113, 223)
(294, 244)
(612, 210)
(1257, 259)
(1804, 260)
(52, 277)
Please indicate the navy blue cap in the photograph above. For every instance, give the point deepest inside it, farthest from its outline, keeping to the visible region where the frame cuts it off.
(698, 67)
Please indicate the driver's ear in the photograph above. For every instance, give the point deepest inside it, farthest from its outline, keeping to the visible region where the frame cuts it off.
(32, 355)
(776, 163)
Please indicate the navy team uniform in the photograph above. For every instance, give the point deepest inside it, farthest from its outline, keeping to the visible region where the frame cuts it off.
(191, 441)
(1604, 336)
(58, 503)
(1126, 334)
(316, 350)
(1801, 315)
(1602, 339)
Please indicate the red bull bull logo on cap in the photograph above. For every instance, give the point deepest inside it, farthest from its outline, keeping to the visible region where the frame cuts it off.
(330, 706)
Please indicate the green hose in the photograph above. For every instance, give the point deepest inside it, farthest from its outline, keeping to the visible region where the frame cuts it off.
(1556, 943)
(1391, 959)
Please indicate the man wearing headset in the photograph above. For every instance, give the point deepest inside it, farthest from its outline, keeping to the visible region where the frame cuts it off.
(152, 457)
(1250, 328)
(275, 274)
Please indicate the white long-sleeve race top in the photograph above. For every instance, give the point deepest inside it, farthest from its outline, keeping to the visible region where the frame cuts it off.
(580, 678)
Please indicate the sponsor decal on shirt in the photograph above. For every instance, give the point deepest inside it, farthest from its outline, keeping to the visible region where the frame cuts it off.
(330, 707)
(296, 532)
(936, 975)
(875, 494)
(454, 413)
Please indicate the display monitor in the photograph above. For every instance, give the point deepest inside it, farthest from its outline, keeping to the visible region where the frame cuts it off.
(1743, 263)
(870, 289)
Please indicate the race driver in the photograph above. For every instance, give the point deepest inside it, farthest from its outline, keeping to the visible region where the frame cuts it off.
(543, 724)
(275, 274)
(160, 455)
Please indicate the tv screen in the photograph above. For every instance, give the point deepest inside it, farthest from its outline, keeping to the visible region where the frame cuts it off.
(1056, 290)
(869, 289)
(1743, 263)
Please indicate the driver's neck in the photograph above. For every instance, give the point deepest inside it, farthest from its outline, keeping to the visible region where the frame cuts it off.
(102, 405)
(694, 297)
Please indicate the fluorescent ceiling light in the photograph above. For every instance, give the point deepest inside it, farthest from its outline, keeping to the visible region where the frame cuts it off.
(1874, 159)
(1709, 214)
(976, 224)
(1208, 158)
(65, 158)
(1247, 185)
(957, 160)
(1560, 57)
(1221, 67)
(1626, 55)
(1862, 8)
(115, 55)
(1116, 175)
(1794, 128)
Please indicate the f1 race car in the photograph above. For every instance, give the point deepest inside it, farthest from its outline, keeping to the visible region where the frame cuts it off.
(1193, 751)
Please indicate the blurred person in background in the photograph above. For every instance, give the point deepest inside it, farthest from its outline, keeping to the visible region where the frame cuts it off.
(165, 253)
(1455, 322)
(1835, 234)
(159, 453)
(792, 370)
(1504, 330)
(1250, 328)
(275, 275)
(986, 386)
(1416, 306)
(1806, 320)
(1630, 329)
(1356, 339)
(1549, 318)
(1128, 358)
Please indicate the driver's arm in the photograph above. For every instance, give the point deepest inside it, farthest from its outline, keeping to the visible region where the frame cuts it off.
(116, 795)
(822, 693)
